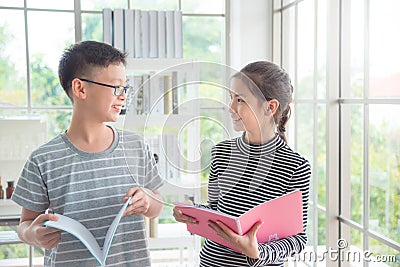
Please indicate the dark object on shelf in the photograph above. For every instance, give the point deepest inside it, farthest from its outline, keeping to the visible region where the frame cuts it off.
(10, 189)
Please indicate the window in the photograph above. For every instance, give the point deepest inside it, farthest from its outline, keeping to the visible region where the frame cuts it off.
(347, 97)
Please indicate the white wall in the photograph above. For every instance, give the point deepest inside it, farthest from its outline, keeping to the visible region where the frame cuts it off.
(250, 31)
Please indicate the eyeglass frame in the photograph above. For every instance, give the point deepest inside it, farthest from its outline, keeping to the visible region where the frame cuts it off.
(123, 91)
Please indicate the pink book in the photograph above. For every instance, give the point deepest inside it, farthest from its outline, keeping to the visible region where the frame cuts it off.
(282, 217)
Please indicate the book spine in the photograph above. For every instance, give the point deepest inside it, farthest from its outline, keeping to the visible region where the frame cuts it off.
(175, 100)
(153, 34)
(167, 94)
(138, 83)
(161, 34)
(119, 29)
(138, 34)
(146, 94)
(107, 26)
(144, 20)
(154, 227)
(129, 32)
(146, 222)
(169, 33)
(178, 34)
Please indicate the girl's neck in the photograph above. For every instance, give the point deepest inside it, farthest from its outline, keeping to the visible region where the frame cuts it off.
(259, 138)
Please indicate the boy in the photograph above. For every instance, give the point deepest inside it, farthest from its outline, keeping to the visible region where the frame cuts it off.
(89, 171)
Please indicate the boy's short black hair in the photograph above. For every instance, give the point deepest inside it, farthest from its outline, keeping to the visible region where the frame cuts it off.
(79, 59)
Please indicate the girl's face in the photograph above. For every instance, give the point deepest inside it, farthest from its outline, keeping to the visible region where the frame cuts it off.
(246, 110)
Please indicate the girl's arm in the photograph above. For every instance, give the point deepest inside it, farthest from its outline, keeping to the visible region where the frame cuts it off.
(277, 251)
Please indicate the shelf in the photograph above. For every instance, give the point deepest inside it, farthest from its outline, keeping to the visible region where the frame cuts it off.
(9, 208)
(172, 120)
(16, 160)
(157, 64)
(185, 124)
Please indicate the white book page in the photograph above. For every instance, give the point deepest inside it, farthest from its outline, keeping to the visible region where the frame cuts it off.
(79, 231)
(113, 228)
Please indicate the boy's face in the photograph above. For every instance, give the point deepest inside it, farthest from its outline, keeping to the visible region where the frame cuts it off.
(101, 103)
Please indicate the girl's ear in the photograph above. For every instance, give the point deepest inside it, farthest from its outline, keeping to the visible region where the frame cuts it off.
(77, 89)
(270, 106)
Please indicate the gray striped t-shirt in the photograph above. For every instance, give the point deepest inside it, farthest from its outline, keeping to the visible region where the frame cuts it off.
(89, 187)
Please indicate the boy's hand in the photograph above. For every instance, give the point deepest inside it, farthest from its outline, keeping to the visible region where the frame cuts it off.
(46, 237)
(140, 202)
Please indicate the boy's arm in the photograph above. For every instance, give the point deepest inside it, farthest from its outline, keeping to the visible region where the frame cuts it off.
(155, 205)
(32, 231)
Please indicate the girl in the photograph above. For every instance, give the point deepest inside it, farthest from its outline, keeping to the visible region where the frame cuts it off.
(254, 168)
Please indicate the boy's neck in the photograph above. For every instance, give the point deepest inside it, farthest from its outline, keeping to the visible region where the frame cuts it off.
(90, 137)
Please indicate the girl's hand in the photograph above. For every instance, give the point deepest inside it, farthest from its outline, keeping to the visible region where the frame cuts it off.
(246, 243)
(179, 217)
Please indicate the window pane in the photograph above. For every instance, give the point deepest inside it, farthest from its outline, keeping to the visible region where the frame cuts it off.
(288, 42)
(51, 4)
(276, 46)
(45, 56)
(214, 79)
(352, 162)
(100, 4)
(56, 121)
(202, 38)
(353, 51)
(92, 27)
(9, 113)
(383, 254)
(321, 228)
(155, 4)
(321, 49)
(385, 72)
(15, 252)
(12, 3)
(286, 2)
(384, 176)
(321, 154)
(12, 58)
(352, 243)
(305, 50)
(305, 124)
(203, 6)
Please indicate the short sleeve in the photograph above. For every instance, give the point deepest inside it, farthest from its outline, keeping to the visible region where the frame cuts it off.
(31, 191)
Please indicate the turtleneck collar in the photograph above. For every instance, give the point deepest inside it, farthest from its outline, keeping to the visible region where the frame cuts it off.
(259, 149)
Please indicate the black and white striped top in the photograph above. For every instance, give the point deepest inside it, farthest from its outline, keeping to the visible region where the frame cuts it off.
(243, 176)
(89, 187)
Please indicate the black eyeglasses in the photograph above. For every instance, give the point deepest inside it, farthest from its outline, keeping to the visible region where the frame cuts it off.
(118, 89)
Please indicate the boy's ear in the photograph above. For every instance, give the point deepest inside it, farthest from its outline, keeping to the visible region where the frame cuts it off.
(77, 89)
(270, 106)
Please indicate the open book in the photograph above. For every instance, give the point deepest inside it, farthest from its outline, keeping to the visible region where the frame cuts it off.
(77, 229)
(281, 217)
